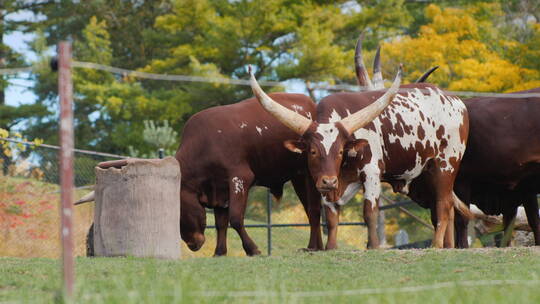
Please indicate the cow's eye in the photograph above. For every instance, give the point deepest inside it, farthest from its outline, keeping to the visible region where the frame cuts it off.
(340, 152)
(313, 152)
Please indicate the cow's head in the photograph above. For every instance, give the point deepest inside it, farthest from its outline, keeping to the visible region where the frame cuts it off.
(192, 219)
(326, 143)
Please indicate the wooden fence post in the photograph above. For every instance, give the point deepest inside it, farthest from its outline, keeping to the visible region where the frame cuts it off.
(65, 90)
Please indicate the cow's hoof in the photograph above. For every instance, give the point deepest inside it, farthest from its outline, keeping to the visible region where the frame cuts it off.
(220, 254)
(309, 249)
(254, 252)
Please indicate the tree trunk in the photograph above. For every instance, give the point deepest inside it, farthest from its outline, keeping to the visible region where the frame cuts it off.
(137, 210)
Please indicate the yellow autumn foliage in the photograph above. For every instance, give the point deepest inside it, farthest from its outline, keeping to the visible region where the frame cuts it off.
(6, 147)
(455, 40)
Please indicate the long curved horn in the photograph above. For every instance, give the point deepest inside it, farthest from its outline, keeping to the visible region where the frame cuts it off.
(426, 74)
(291, 119)
(378, 82)
(366, 115)
(361, 73)
(87, 198)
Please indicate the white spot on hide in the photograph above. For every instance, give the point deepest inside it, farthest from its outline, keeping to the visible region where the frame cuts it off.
(243, 125)
(238, 185)
(258, 130)
(297, 108)
(328, 131)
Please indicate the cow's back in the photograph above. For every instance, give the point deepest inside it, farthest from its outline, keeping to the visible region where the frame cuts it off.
(220, 139)
(504, 140)
(418, 125)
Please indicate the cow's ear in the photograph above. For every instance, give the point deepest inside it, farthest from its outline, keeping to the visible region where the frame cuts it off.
(354, 146)
(296, 146)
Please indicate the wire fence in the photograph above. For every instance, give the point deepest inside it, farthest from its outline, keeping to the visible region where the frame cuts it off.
(245, 82)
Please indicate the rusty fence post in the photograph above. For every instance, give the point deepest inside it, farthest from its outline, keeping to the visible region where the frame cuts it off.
(65, 90)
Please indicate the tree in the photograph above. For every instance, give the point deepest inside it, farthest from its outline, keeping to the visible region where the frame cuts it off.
(9, 115)
(284, 40)
(121, 39)
(460, 41)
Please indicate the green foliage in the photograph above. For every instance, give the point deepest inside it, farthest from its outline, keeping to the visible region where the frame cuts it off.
(159, 137)
(480, 45)
(282, 39)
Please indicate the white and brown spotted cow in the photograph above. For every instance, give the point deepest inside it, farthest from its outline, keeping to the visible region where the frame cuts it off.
(361, 139)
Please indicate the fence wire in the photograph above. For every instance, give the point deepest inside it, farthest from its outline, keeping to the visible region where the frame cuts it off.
(245, 82)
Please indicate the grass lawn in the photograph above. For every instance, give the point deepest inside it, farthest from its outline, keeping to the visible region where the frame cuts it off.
(460, 276)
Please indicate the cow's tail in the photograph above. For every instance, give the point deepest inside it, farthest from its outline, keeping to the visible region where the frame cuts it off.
(462, 208)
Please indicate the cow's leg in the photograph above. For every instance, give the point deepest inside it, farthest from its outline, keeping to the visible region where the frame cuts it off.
(462, 237)
(372, 193)
(371, 213)
(463, 191)
(509, 214)
(449, 235)
(238, 193)
(311, 201)
(443, 183)
(332, 222)
(433, 214)
(531, 209)
(443, 208)
(222, 222)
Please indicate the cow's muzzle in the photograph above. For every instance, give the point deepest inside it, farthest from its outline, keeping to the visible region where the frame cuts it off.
(327, 184)
(197, 242)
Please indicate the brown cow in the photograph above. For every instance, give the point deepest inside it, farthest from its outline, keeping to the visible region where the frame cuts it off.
(422, 130)
(503, 131)
(501, 166)
(225, 151)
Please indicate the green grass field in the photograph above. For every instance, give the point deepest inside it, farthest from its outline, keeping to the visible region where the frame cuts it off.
(415, 276)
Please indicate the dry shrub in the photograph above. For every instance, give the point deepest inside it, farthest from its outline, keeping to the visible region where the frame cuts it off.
(29, 219)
